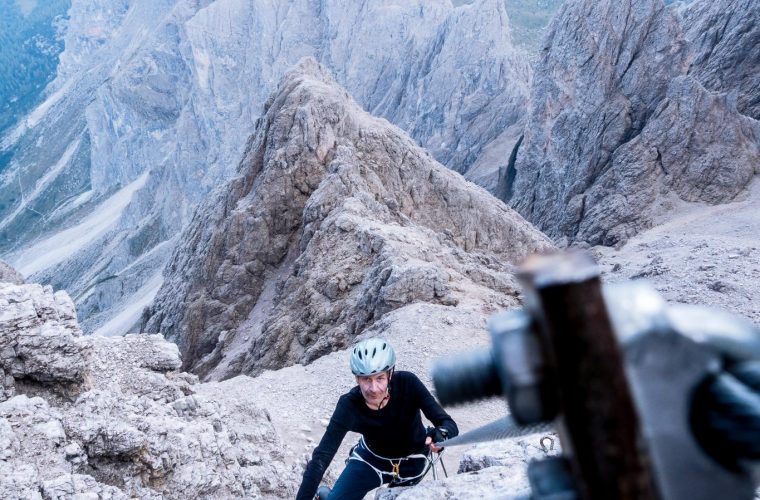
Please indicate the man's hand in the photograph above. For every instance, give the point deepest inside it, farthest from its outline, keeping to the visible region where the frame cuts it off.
(436, 435)
(432, 445)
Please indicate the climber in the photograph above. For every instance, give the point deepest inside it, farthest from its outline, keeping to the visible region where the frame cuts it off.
(384, 407)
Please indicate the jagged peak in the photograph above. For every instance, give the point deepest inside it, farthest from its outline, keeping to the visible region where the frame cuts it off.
(308, 67)
(337, 218)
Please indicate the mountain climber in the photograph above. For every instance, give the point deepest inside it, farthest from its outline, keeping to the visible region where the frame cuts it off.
(384, 407)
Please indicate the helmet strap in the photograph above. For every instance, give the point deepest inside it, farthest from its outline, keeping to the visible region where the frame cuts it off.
(387, 390)
(384, 401)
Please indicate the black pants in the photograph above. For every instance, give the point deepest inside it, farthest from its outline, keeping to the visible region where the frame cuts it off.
(359, 477)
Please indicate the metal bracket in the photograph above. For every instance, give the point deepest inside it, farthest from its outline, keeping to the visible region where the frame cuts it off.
(550, 479)
(664, 367)
(618, 368)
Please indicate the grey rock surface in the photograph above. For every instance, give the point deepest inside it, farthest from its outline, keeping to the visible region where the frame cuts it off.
(695, 147)
(335, 219)
(112, 418)
(724, 39)
(492, 482)
(154, 101)
(40, 340)
(10, 275)
(622, 114)
(496, 469)
(515, 453)
(472, 57)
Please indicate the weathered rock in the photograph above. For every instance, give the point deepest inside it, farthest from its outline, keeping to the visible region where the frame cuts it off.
(492, 482)
(614, 125)
(10, 275)
(486, 84)
(20, 482)
(128, 425)
(336, 219)
(695, 146)
(592, 90)
(513, 453)
(724, 38)
(33, 437)
(495, 469)
(79, 486)
(40, 339)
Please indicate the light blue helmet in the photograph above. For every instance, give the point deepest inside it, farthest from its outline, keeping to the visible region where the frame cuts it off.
(372, 356)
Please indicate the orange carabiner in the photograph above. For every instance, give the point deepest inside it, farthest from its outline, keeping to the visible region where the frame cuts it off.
(396, 471)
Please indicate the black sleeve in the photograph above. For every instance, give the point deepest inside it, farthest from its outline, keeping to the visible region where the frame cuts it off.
(432, 409)
(325, 451)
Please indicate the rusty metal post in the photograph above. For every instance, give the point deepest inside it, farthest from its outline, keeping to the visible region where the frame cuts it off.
(599, 425)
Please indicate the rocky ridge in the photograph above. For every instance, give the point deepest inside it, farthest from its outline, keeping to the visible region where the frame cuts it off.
(112, 418)
(154, 101)
(698, 254)
(335, 219)
(635, 106)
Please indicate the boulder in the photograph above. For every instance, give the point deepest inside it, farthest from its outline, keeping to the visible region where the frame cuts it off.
(112, 418)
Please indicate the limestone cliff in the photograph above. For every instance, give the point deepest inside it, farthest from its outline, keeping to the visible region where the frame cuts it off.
(335, 219)
(635, 104)
(154, 100)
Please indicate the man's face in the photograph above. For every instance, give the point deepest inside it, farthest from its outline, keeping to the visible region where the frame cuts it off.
(373, 387)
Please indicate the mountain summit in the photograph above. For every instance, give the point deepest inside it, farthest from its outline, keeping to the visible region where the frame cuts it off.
(335, 219)
(154, 100)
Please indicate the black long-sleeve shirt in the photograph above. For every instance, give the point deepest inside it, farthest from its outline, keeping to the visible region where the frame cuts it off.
(393, 431)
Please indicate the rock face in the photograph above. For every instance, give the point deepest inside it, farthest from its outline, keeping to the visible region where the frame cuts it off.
(695, 146)
(488, 470)
(95, 417)
(724, 38)
(39, 337)
(10, 275)
(623, 116)
(154, 101)
(335, 219)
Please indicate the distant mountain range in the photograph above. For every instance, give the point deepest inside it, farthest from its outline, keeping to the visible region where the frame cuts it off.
(153, 102)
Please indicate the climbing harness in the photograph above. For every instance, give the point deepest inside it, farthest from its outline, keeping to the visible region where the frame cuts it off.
(377, 463)
(443, 466)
